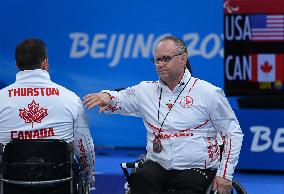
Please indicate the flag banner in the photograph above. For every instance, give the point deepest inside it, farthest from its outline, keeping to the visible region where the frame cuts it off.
(267, 67)
(253, 6)
(267, 27)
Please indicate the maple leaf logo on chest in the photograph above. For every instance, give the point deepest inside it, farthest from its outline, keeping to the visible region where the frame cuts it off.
(33, 114)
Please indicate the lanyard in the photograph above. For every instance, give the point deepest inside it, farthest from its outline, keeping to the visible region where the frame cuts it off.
(160, 97)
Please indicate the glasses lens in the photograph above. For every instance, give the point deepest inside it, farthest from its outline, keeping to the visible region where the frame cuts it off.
(166, 58)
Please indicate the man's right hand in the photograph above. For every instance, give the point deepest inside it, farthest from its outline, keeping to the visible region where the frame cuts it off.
(97, 99)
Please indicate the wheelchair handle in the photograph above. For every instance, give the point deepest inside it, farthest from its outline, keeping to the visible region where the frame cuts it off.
(125, 165)
(137, 164)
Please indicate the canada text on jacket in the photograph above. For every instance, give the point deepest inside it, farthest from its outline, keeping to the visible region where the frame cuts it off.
(33, 134)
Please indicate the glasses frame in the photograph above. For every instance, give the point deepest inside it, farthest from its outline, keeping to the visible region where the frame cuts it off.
(165, 58)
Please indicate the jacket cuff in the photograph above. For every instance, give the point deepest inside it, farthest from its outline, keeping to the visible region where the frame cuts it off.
(226, 172)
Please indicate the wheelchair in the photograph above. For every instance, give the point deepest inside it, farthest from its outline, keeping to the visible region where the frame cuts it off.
(40, 167)
(237, 188)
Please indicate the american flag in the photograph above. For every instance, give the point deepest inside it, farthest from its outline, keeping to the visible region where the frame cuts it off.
(267, 27)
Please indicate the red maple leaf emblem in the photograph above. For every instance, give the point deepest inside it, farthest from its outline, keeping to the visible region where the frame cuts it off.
(266, 67)
(33, 114)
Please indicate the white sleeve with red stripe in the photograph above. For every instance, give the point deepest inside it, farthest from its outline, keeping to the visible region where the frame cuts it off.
(226, 123)
(124, 102)
(83, 144)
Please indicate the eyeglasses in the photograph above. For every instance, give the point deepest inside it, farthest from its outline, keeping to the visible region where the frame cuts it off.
(165, 58)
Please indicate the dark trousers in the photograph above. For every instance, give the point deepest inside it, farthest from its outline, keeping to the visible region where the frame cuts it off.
(154, 179)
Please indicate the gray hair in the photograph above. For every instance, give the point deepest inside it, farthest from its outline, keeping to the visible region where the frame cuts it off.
(179, 43)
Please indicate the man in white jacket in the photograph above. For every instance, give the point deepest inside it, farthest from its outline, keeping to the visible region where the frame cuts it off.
(184, 117)
(34, 107)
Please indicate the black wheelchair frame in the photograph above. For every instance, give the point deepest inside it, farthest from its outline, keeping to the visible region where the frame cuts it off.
(236, 185)
(36, 168)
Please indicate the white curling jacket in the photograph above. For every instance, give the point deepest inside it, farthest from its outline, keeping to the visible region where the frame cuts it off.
(34, 107)
(189, 133)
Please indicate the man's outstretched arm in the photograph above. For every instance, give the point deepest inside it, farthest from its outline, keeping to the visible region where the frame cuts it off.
(97, 99)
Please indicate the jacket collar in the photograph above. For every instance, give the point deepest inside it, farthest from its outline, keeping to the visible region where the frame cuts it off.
(37, 75)
(183, 81)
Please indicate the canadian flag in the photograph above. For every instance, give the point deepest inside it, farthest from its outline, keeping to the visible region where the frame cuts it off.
(267, 67)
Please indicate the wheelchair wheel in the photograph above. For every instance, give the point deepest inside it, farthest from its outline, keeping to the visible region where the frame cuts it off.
(237, 188)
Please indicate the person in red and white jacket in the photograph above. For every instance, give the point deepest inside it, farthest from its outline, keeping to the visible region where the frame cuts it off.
(184, 116)
(34, 107)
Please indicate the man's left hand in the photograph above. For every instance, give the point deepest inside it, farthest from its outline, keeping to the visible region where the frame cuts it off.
(222, 185)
